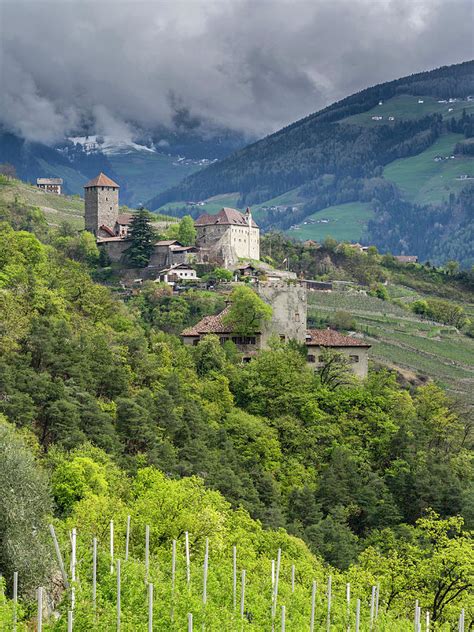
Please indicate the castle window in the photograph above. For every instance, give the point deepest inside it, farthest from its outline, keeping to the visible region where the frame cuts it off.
(354, 358)
(321, 358)
(282, 337)
(311, 358)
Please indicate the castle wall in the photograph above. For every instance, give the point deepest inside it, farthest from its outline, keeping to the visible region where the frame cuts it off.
(288, 302)
(101, 207)
(115, 249)
(358, 358)
(230, 243)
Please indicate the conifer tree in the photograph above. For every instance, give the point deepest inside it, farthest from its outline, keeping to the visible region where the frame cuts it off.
(142, 237)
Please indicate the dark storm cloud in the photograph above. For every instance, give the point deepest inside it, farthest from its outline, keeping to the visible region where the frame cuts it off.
(249, 65)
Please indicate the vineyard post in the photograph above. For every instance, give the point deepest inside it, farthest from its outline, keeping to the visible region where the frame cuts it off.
(348, 600)
(40, 609)
(94, 574)
(147, 552)
(357, 623)
(15, 598)
(427, 621)
(111, 546)
(313, 606)
(242, 595)
(73, 554)
(234, 576)
(118, 594)
(292, 578)
(283, 617)
(417, 617)
(190, 622)
(173, 576)
(188, 561)
(328, 624)
(150, 607)
(205, 570)
(69, 621)
(59, 557)
(127, 539)
(275, 591)
(372, 607)
(461, 621)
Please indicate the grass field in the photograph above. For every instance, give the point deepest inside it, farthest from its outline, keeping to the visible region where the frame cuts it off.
(347, 222)
(407, 107)
(423, 180)
(57, 208)
(400, 339)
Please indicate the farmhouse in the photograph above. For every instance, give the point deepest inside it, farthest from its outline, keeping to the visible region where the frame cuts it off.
(406, 258)
(177, 272)
(228, 236)
(50, 185)
(355, 349)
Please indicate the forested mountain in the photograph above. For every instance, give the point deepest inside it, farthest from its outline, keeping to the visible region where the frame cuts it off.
(353, 468)
(339, 155)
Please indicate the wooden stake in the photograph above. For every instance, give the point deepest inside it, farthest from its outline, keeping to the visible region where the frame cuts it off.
(119, 605)
(73, 554)
(69, 621)
(242, 595)
(150, 607)
(313, 606)
(39, 596)
(205, 570)
(292, 578)
(173, 576)
(190, 622)
(357, 616)
(94, 574)
(283, 617)
(59, 557)
(328, 622)
(127, 539)
(188, 560)
(111, 546)
(147, 552)
(234, 577)
(15, 598)
(372, 607)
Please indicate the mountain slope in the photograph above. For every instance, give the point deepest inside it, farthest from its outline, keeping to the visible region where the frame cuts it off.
(338, 155)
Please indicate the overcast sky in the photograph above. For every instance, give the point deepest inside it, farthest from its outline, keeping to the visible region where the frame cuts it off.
(248, 65)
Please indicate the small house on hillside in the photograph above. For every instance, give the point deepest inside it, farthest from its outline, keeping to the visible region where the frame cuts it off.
(177, 272)
(356, 349)
(50, 185)
(406, 258)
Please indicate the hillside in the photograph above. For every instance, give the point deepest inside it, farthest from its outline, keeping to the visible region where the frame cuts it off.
(387, 146)
(142, 168)
(105, 414)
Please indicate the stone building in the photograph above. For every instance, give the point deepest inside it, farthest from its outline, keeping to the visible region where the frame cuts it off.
(288, 321)
(101, 198)
(355, 349)
(50, 185)
(228, 236)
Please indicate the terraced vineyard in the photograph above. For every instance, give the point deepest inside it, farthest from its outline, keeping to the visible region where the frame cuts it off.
(400, 339)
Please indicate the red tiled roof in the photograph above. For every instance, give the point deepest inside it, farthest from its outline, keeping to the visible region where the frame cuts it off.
(331, 338)
(209, 325)
(101, 181)
(125, 219)
(107, 230)
(226, 216)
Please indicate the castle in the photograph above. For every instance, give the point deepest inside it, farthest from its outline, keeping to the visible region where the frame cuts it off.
(223, 238)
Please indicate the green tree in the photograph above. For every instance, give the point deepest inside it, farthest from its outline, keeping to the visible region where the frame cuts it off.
(248, 313)
(187, 232)
(335, 369)
(142, 237)
(24, 506)
(342, 320)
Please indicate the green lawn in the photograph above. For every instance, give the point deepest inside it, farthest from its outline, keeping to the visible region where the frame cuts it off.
(347, 222)
(406, 107)
(423, 180)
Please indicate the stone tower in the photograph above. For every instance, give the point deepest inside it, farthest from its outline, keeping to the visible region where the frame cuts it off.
(101, 198)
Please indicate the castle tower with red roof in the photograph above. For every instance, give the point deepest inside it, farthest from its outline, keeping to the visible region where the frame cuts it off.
(101, 197)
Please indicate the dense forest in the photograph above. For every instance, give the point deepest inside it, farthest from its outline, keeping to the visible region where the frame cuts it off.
(113, 413)
(333, 161)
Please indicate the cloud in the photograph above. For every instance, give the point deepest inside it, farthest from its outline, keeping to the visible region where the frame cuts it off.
(239, 64)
